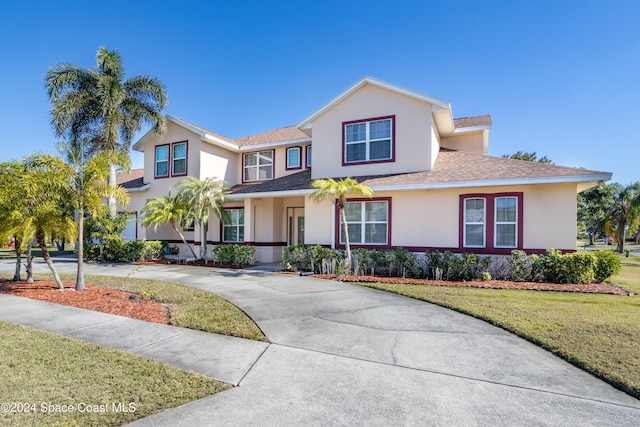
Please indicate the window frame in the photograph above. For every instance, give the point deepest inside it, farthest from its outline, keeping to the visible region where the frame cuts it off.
(257, 165)
(368, 141)
(483, 223)
(308, 152)
(173, 158)
(496, 223)
(155, 161)
(490, 246)
(237, 226)
(299, 165)
(338, 222)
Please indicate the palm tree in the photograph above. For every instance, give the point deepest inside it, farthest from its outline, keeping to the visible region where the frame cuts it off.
(626, 205)
(99, 106)
(165, 209)
(13, 211)
(337, 191)
(88, 186)
(200, 198)
(45, 189)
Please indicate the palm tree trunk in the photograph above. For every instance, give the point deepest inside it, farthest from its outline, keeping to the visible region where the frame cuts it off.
(112, 186)
(80, 271)
(620, 236)
(347, 245)
(16, 245)
(47, 258)
(175, 228)
(203, 241)
(29, 265)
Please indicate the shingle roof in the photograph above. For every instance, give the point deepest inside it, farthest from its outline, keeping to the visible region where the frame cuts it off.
(203, 130)
(133, 179)
(466, 122)
(287, 133)
(450, 167)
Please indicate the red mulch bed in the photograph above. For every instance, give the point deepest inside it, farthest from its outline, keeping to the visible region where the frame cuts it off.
(92, 298)
(595, 288)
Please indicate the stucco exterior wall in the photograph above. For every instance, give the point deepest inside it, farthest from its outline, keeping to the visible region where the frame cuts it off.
(219, 163)
(431, 218)
(413, 123)
(470, 143)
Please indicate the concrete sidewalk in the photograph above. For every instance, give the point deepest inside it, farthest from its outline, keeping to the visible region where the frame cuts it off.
(346, 355)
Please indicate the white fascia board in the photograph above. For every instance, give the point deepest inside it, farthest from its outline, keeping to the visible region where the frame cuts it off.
(472, 129)
(275, 144)
(436, 102)
(139, 145)
(268, 194)
(219, 142)
(496, 182)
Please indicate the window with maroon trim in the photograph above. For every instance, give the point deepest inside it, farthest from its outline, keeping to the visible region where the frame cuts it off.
(368, 141)
(179, 158)
(367, 222)
(258, 166)
(233, 226)
(294, 158)
(162, 161)
(491, 221)
(308, 156)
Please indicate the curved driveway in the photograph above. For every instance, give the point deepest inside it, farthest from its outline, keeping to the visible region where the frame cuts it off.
(342, 354)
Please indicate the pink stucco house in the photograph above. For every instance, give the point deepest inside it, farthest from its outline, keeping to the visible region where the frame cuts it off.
(435, 188)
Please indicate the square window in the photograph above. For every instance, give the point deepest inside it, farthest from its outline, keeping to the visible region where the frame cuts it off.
(369, 140)
(367, 222)
(258, 166)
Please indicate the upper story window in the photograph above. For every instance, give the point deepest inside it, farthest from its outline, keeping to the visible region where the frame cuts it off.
(233, 229)
(367, 221)
(162, 161)
(368, 141)
(308, 156)
(179, 158)
(294, 158)
(171, 160)
(258, 166)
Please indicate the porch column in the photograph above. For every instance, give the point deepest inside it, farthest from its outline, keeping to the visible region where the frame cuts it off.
(249, 221)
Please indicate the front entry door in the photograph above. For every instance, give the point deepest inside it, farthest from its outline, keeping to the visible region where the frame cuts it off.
(295, 226)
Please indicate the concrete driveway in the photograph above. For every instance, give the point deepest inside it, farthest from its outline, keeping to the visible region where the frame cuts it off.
(341, 354)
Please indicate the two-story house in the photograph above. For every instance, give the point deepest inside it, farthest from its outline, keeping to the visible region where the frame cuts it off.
(434, 186)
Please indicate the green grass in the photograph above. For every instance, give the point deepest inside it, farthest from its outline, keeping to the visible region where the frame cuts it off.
(6, 253)
(189, 307)
(599, 333)
(41, 369)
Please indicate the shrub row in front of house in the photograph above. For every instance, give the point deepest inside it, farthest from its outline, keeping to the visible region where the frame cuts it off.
(119, 250)
(554, 266)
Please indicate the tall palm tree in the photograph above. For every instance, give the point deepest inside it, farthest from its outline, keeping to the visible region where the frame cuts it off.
(625, 208)
(88, 185)
(337, 191)
(165, 209)
(201, 197)
(99, 106)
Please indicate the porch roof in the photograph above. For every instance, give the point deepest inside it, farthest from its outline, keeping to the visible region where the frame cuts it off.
(452, 169)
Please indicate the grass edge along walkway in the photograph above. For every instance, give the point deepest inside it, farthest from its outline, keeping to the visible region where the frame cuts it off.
(49, 379)
(595, 332)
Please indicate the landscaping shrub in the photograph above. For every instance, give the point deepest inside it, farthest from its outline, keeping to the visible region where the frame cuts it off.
(117, 250)
(449, 266)
(236, 255)
(316, 258)
(606, 265)
(556, 267)
(520, 267)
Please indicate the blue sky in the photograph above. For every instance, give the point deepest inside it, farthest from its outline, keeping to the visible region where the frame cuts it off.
(561, 78)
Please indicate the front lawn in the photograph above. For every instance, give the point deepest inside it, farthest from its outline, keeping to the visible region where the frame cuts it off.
(599, 333)
(44, 374)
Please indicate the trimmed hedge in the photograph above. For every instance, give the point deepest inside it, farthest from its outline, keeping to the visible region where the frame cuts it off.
(236, 255)
(118, 250)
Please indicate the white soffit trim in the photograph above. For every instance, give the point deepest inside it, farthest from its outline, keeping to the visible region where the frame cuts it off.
(275, 144)
(496, 182)
(268, 194)
(142, 188)
(438, 103)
